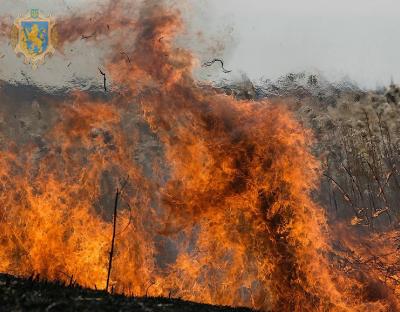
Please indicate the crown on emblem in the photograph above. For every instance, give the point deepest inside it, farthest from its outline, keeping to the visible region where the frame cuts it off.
(34, 13)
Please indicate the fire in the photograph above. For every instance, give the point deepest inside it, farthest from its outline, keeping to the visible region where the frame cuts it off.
(217, 205)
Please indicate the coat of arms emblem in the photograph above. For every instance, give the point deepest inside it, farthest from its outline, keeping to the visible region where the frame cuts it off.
(34, 36)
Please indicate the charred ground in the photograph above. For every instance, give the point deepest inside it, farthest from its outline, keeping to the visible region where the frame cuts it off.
(17, 294)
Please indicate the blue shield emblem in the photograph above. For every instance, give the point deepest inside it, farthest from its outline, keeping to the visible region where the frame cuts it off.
(35, 36)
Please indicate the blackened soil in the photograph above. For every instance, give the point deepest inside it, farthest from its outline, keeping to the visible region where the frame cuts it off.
(18, 294)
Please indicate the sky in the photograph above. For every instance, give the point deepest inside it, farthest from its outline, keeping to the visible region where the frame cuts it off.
(352, 39)
(358, 39)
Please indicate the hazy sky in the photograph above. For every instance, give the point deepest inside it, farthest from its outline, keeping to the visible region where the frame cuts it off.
(269, 38)
(357, 38)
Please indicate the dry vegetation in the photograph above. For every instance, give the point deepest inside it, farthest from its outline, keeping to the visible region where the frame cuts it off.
(357, 139)
(357, 134)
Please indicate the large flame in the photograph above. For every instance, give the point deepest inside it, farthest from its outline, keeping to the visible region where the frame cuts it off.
(217, 209)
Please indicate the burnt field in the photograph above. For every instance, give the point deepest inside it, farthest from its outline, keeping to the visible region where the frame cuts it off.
(17, 294)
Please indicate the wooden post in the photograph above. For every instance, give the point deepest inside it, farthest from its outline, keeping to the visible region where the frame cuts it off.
(113, 239)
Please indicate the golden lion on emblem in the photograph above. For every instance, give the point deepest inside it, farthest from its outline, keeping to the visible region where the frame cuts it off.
(35, 37)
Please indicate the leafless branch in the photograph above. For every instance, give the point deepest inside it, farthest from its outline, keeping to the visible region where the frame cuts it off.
(104, 79)
(113, 238)
(127, 56)
(207, 64)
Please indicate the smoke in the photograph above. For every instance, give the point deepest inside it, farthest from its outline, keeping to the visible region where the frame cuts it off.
(217, 207)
